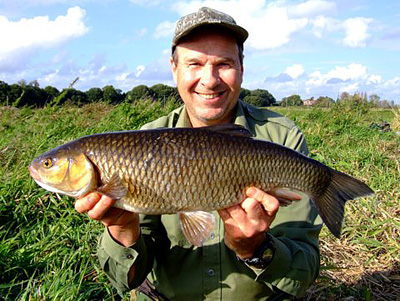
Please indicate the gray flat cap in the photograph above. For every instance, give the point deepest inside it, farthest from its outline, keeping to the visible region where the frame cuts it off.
(207, 16)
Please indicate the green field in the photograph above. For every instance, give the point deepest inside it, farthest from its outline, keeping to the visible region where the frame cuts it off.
(48, 250)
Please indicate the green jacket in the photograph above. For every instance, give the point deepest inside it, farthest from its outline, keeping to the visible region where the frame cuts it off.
(180, 271)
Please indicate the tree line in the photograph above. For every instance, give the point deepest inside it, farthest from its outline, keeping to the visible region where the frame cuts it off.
(31, 94)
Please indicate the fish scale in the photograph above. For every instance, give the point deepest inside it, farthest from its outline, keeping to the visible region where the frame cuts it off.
(185, 170)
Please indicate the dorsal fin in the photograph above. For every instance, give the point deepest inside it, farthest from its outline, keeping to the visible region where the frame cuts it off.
(230, 129)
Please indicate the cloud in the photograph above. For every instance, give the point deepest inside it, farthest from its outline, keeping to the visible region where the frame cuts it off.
(274, 24)
(356, 30)
(312, 8)
(295, 71)
(146, 2)
(19, 38)
(291, 73)
(351, 78)
(352, 88)
(164, 29)
(352, 71)
(340, 75)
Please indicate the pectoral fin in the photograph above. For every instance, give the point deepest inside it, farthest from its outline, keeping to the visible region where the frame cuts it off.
(197, 226)
(114, 188)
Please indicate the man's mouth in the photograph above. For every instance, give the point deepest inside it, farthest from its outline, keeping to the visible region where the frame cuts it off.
(210, 95)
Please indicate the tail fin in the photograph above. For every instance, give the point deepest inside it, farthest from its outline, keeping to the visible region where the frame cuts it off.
(331, 204)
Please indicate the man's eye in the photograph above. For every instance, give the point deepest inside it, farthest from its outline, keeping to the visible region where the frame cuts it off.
(224, 64)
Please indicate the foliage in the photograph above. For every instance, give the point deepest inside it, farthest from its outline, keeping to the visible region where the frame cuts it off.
(324, 101)
(140, 92)
(48, 250)
(111, 95)
(259, 98)
(94, 95)
(293, 100)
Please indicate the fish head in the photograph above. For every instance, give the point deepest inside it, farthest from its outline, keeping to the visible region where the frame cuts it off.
(64, 170)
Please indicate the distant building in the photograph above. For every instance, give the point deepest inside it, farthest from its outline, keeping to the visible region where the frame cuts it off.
(309, 102)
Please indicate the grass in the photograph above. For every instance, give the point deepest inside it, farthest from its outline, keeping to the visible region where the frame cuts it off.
(364, 263)
(47, 250)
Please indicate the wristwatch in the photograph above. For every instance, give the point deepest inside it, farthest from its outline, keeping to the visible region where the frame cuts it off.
(262, 256)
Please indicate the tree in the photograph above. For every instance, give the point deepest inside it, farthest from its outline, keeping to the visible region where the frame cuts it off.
(94, 95)
(163, 92)
(293, 100)
(139, 92)
(51, 93)
(4, 97)
(77, 97)
(258, 97)
(324, 101)
(110, 95)
(374, 99)
(243, 93)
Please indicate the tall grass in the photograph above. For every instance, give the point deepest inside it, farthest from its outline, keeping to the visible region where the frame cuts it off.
(364, 263)
(47, 250)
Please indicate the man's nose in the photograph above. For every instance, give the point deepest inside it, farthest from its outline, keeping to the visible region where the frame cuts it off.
(210, 77)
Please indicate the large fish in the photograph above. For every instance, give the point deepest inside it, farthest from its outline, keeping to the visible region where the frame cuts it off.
(191, 171)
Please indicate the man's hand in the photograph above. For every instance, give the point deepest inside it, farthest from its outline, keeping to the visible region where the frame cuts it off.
(123, 225)
(246, 223)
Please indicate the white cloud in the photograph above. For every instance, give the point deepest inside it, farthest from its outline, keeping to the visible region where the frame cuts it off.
(356, 32)
(312, 8)
(26, 35)
(322, 24)
(352, 88)
(146, 2)
(374, 79)
(139, 70)
(269, 24)
(295, 71)
(273, 24)
(164, 29)
(352, 71)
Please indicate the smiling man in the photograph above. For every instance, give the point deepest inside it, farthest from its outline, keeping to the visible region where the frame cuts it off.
(208, 72)
(258, 250)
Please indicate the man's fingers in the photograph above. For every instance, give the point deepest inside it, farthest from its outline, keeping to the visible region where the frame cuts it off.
(87, 203)
(269, 202)
(101, 207)
(253, 209)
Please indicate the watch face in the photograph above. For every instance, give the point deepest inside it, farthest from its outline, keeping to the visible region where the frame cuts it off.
(268, 254)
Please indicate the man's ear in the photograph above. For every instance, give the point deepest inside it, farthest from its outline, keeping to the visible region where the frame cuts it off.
(173, 68)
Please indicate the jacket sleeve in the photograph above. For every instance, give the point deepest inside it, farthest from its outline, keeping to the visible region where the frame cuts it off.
(295, 264)
(116, 260)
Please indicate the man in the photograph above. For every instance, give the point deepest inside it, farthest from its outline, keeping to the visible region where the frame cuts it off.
(247, 257)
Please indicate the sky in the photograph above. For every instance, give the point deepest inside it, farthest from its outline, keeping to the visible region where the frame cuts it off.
(311, 48)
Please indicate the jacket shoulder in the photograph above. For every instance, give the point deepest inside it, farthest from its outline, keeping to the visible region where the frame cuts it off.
(265, 114)
(164, 121)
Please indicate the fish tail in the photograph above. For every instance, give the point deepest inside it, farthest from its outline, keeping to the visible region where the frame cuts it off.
(331, 204)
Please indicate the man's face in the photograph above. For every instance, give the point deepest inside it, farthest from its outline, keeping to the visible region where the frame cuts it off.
(208, 75)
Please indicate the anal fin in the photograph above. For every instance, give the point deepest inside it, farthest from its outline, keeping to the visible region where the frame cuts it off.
(197, 226)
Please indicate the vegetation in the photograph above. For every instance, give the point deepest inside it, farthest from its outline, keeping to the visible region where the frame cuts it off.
(48, 250)
(30, 94)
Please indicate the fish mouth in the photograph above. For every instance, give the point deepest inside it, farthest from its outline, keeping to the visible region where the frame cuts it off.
(34, 174)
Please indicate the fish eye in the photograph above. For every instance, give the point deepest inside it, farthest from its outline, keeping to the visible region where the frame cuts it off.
(47, 163)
